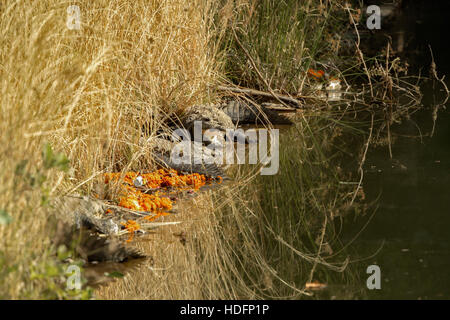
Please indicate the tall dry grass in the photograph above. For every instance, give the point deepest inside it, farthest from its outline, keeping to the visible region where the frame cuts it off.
(87, 92)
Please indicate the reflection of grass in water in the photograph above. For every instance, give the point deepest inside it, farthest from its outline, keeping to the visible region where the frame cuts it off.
(269, 231)
(277, 229)
(303, 198)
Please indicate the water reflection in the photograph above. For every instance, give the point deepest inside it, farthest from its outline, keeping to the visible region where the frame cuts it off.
(410, 191)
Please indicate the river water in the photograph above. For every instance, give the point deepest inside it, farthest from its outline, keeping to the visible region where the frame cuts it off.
(404, 228)
(408, 234)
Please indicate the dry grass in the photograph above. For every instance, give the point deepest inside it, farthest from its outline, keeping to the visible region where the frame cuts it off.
(87, 92)
(219, 243)
(177, 270)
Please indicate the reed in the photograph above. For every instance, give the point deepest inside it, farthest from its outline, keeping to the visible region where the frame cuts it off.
(86, 92)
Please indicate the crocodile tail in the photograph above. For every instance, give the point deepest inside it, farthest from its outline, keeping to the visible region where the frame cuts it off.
(241, 112)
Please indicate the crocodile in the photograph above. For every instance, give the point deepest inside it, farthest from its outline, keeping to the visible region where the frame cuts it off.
(243, 112)
(80, 221)
(212, 116)
(230, 113)
(162, 150)
(223, 116)
(81, 231)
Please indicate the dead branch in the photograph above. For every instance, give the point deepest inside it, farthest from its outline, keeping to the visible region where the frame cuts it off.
(254, 92)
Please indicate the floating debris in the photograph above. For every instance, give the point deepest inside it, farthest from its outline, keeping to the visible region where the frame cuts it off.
(316, 74)
(334, 85)
(315, 285)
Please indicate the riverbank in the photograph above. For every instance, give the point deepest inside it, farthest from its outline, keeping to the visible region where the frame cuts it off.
(91, 103)
(85, 88)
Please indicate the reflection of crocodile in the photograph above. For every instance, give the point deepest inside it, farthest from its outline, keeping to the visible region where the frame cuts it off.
(90, 246)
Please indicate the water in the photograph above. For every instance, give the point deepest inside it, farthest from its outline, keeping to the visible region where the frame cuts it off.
(408, 236)
(405, 228)
(410, 227)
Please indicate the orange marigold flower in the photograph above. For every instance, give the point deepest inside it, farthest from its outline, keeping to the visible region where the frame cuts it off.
(316, 73)
(131, 227)
(134, 199)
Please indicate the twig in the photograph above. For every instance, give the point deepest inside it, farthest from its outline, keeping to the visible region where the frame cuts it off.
(278, 107)
(255, 92)
(148, 226)
(312, 259)
(434, 74)
(313, 269)
(363, 159)
(361, 56)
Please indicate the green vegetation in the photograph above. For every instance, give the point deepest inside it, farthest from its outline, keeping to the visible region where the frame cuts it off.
(284, 38)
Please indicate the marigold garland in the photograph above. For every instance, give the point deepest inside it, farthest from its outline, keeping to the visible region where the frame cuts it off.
(132, 197)
(131, 227)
